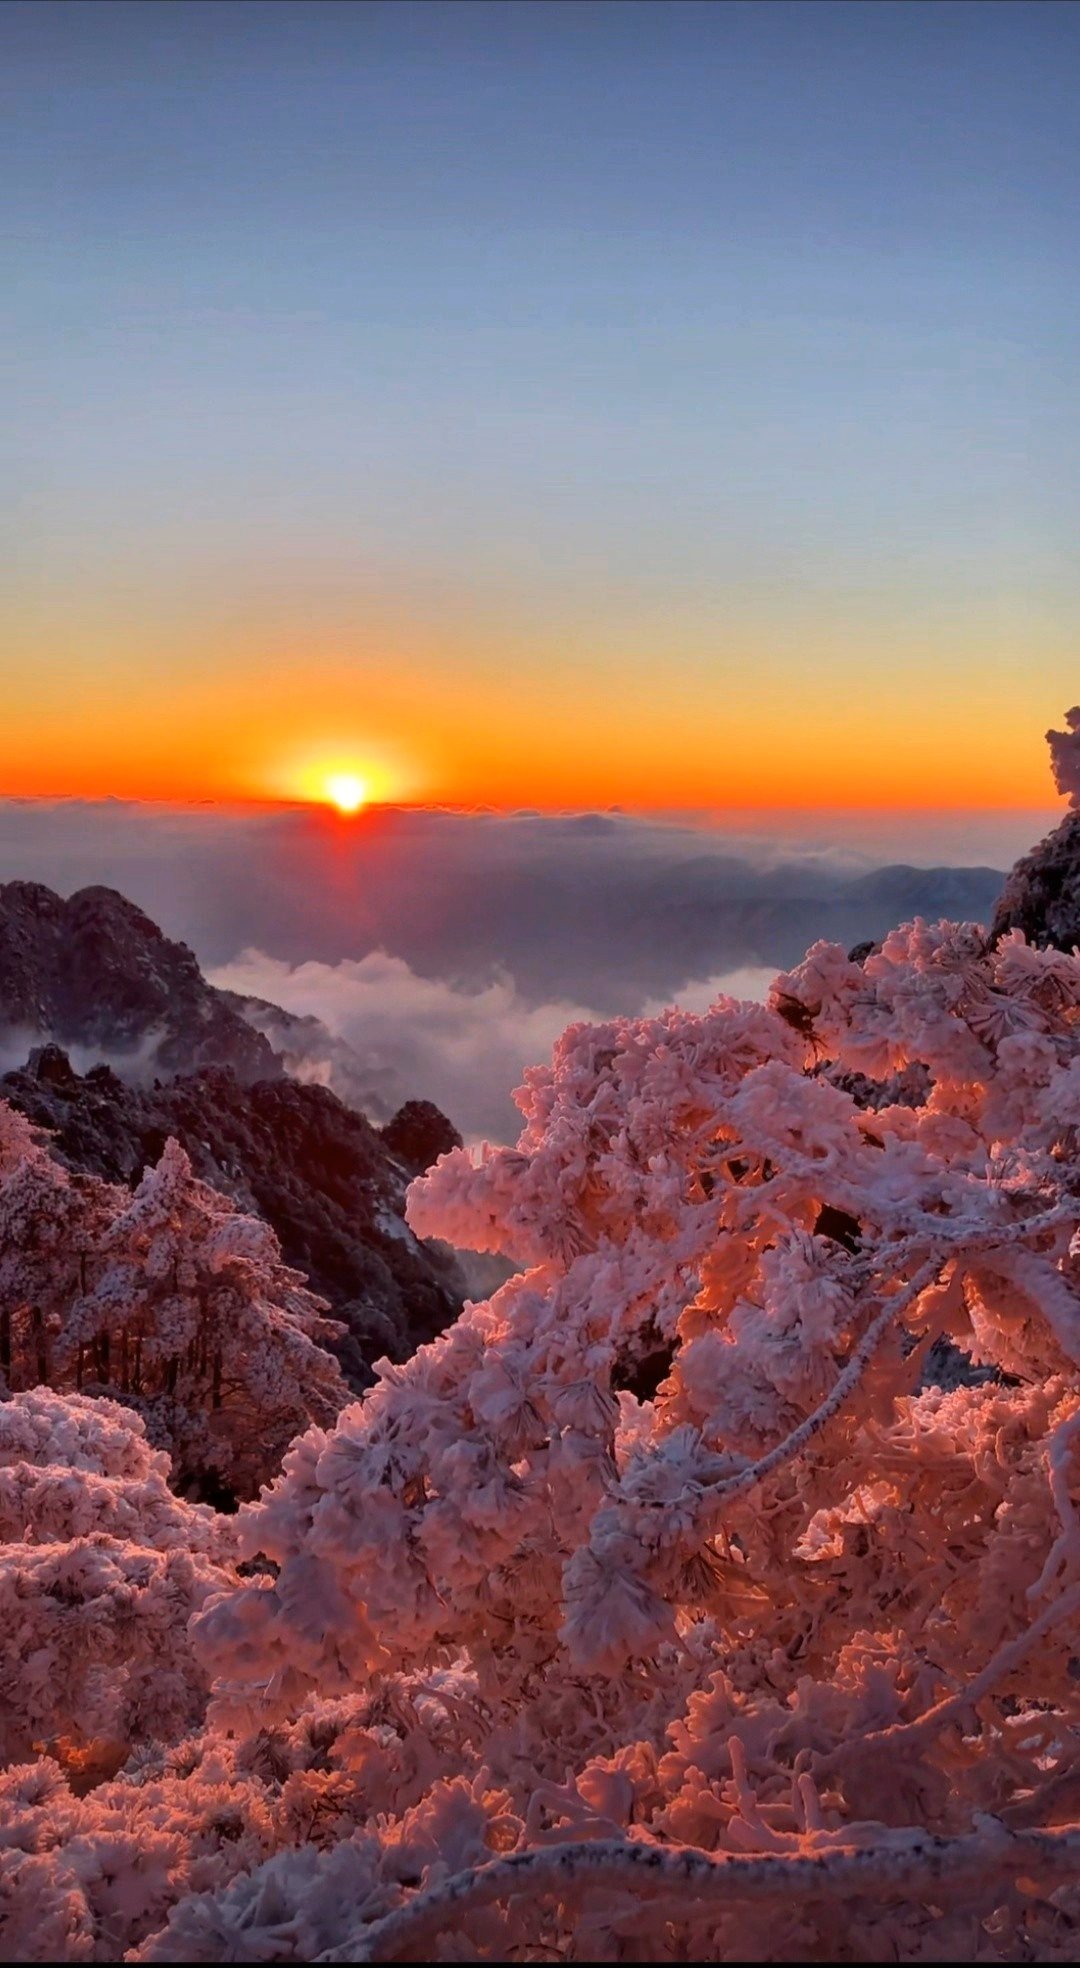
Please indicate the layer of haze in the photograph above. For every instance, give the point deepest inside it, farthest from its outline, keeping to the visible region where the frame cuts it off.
(444, 951)
(670, 405)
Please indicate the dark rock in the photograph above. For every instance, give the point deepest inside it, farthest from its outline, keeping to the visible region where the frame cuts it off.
(309, 1051)
(319, 1173)
(418, 1134)
(52, 1067)
(1042, 894)
(94, 973)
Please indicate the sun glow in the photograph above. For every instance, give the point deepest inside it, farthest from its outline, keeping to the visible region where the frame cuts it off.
(347, 791)
(347, 778)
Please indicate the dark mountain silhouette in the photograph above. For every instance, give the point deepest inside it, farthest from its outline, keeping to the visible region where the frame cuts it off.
(93, 973)
(331, 1185)
(170, 1055)
(1041, 895)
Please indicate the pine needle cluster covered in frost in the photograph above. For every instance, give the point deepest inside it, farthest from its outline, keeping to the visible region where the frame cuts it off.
(662, 1608)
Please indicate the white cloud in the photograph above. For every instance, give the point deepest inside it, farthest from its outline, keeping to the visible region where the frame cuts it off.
(746, 981)
(414, 1036)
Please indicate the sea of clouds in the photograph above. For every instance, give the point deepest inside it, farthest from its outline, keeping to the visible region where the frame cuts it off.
(442, 951)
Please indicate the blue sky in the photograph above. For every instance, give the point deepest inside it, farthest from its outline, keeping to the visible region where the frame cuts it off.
(709, 343)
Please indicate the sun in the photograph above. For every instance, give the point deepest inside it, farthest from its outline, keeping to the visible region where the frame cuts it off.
(346, 791)
(348, 778)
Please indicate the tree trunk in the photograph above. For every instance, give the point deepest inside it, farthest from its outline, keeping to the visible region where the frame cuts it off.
(41, 1350)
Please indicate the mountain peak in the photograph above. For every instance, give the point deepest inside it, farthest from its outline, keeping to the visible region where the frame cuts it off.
(93, 973)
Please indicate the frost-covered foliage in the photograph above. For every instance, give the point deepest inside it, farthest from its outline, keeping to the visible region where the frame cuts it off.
(101, 1568)
(706, 1564)
(170, 1300)
(659, 1610)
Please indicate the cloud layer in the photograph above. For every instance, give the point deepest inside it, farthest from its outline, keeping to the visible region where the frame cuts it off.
(464, 1049)
(445, 950)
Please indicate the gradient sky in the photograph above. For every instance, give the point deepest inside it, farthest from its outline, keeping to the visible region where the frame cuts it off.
(540, 403)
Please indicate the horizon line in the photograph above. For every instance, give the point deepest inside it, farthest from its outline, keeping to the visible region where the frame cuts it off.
(529, 810)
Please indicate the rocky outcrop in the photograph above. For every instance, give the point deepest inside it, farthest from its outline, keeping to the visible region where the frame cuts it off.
(93, 973)
(331, 1185)
(310, 1052)
(418, 1134)
(95, 979)
(1042, 894)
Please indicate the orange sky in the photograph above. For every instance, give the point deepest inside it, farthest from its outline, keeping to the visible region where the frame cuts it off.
(627, 406)
(661, 713)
